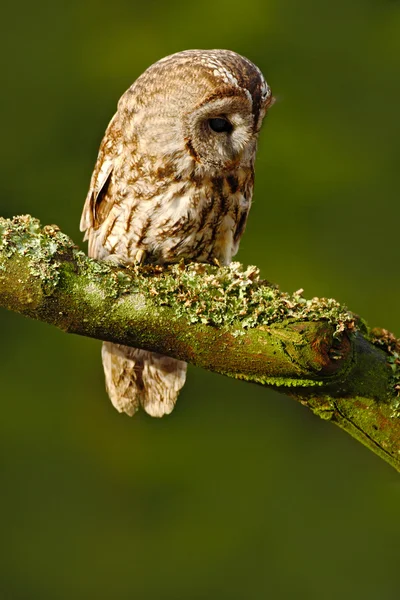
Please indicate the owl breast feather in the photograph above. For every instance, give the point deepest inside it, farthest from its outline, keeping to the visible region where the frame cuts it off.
(200, 223)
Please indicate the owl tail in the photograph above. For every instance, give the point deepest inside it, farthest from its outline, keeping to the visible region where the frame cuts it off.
(140, 378)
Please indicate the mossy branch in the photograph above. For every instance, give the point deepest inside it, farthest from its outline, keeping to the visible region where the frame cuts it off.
(226, 320)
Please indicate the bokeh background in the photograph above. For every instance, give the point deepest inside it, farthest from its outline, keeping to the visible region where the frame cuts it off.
(240, 493)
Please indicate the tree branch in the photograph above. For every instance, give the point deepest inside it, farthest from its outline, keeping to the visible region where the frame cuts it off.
(226, 320)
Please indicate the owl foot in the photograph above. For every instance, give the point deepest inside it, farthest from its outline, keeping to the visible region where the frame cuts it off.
(140, 257)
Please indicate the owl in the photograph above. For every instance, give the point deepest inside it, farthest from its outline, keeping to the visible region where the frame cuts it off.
(173, 180)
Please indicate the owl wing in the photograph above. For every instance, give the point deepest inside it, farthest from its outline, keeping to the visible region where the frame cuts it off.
(133, 377)
(99, 200)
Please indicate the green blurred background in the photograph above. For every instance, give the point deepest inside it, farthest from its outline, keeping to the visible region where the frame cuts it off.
(240, 493)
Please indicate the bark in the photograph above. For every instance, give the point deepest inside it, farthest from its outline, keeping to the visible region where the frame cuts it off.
(226, 320)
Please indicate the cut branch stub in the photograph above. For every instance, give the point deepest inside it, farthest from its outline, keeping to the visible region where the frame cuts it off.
(316, 347)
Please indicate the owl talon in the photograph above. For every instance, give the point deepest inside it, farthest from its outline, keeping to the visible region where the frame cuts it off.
(216, 262)
(140, 257)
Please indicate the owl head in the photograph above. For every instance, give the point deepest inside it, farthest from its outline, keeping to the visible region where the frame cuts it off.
(203, 108)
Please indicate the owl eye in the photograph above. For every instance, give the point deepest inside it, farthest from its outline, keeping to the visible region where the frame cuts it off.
(219, 125)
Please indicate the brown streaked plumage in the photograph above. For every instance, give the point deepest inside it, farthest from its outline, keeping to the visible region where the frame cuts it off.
(174, 179)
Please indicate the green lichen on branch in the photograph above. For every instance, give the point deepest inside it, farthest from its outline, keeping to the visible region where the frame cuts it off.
(200, 293)
(225, 296)
(23, 236)
(384, 339)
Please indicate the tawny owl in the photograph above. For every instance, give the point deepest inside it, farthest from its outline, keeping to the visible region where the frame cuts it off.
(174, 179)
